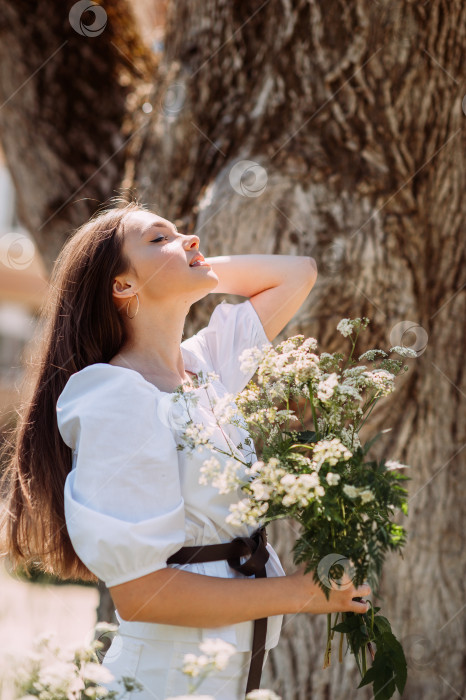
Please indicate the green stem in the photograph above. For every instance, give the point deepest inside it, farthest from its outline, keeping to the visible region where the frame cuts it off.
(363, 658)
(311, 401)
(358, 427)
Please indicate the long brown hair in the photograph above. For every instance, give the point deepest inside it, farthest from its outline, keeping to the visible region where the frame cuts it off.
(78, 325)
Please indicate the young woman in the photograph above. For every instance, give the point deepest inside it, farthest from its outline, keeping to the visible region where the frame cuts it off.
(96, 486)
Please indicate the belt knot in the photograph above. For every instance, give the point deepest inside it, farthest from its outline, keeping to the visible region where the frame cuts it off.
(256, 546)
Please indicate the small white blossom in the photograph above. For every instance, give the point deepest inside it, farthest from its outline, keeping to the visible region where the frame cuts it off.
(366, 495)
(370, 355)
(326, 387)
(95, 672)
(262, 694)
(381, 380)
(345, 327)
(394, 464)
(217, 651)
(330, 451)
(261, 491)
(350, 491)
(246, 511)
(404, 352)
(332, 478)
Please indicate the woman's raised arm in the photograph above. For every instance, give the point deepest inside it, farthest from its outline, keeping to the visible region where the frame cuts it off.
(277, 285)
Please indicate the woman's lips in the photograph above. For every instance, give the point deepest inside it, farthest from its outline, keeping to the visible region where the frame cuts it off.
(200, 263)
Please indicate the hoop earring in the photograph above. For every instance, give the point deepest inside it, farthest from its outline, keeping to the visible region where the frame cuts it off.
(127, 307)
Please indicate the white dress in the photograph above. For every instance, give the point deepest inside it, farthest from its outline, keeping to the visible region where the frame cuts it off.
(132, 498)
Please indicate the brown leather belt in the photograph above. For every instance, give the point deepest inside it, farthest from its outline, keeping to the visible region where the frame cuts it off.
(255, 546)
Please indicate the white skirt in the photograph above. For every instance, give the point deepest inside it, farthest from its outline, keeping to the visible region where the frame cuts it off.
(156, 664)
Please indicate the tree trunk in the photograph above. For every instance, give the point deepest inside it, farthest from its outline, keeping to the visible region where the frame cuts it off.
(344, 123)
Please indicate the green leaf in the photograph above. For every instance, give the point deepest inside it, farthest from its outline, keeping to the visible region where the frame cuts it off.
(307, 436)
(369, 444)
(382, 625)
(369, 676)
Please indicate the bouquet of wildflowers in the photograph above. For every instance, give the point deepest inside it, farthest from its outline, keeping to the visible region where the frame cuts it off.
(319, 474)
(50, 672)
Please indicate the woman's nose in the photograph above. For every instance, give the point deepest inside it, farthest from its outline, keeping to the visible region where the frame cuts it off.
(193, 241)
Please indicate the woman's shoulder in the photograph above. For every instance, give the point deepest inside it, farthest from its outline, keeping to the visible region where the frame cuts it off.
(102, 379)
(112, 399)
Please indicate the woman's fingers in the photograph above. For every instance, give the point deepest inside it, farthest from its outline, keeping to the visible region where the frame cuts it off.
(360, 606)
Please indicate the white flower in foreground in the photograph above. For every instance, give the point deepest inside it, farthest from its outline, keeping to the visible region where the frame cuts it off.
(218, 651)
(262, 492)
(345, 327)
(224, 409)
(95, 672)
(351, 491)
(223, 477)
(246, 511)
(404, 352)
(331, 451)
(366, 495)
(395, 464)
(326, 387)
(250, 359)
(370, 355)
(332, 478)
(262, 694)
(193, 665)
(57, 673)
(381, 380)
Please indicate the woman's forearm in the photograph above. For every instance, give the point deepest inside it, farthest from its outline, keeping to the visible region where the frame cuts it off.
(176, 597)
(247, 275)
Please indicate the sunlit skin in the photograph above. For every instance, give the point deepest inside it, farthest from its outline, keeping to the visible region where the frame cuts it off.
(166, 287)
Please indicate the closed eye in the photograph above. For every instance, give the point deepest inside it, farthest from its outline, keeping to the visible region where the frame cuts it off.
(160, 238)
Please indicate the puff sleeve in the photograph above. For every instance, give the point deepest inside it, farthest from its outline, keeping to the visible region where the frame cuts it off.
(123, 506)
(232, 328)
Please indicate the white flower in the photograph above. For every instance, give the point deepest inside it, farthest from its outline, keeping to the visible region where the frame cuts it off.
(404, 352)
(351, 491)
(326, 387)
(366, 495)
(261, 491)
(262, 694)
(246, 511)
(394, 464)
(330, 451)
(381, 380)
(224, 409)
(56, 673)
(218, 651)
(95, 672)
(249, 359)
(332, 478)
(370, 355)
(345, 327)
